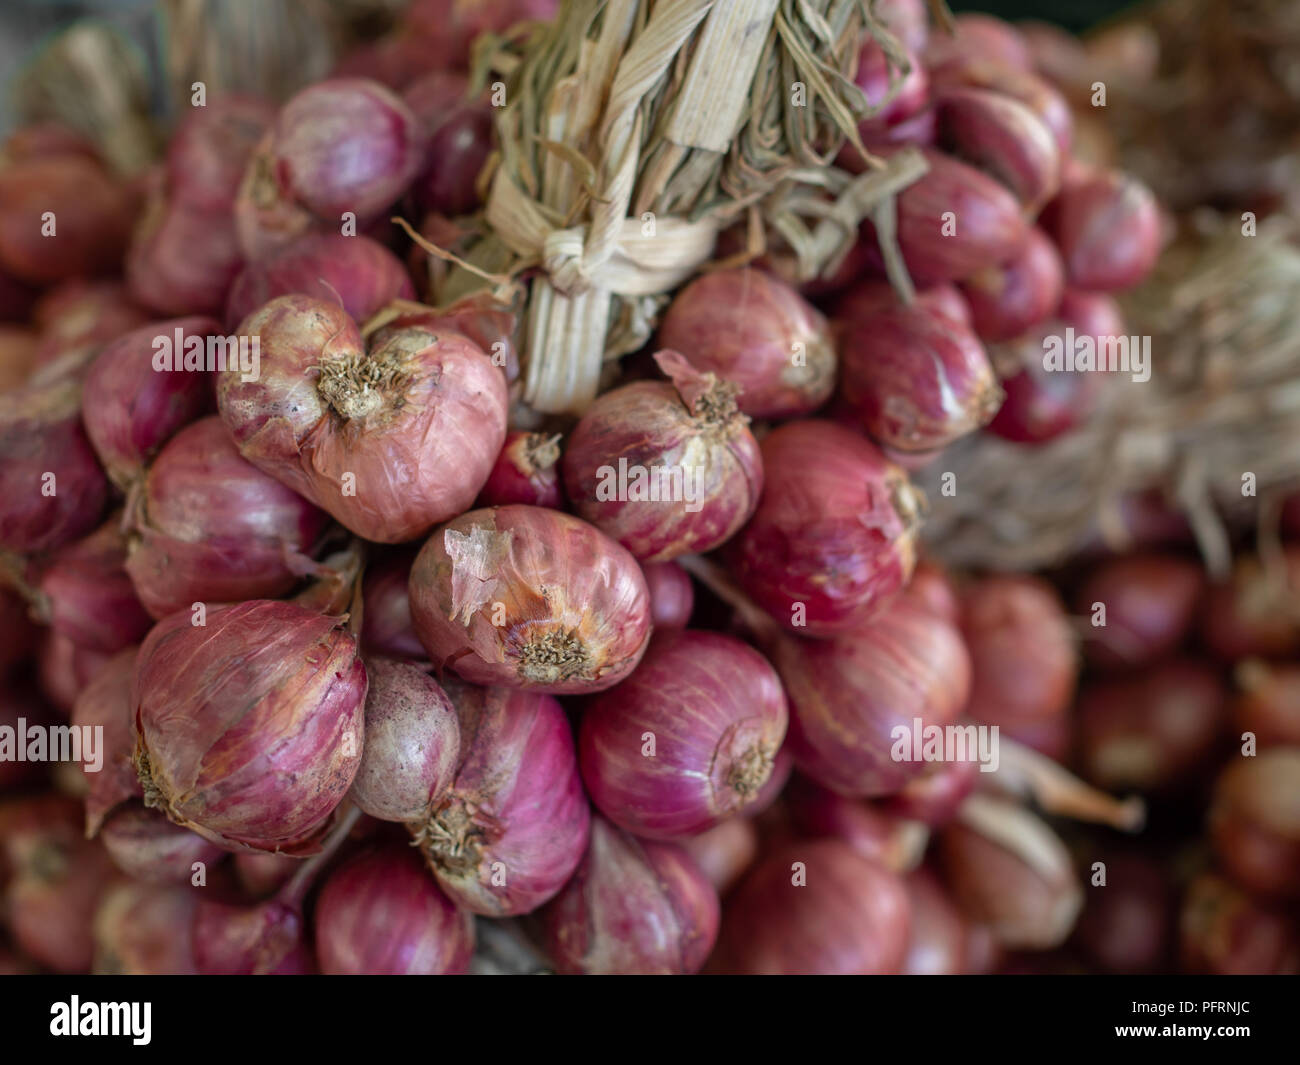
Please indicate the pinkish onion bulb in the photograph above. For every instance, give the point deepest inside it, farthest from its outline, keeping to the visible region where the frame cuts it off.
(386, 627)
(139, 930)
(357, 272)
(1226, 932)
(910, 91)
(512, 827)
(662, 774)
(980, 38)
(226, 713)
(833, 538)
(1023, 652)
(1042, 404)
(262, 875)
(131, 408)
(52, 486)
(1011, 872)
(633, 907)
(259, 940)
(940, 943)
(64, 669)
(210, 149)
(759, 334)
(341, 145)
(459, 131)
(146, 846)
(1154, 732)
(665, 469)
(381, 913)
(526, 471)
(527, 597)
(182, 259)
(934, 796)
(849, 695)
(1254, 822)
(86, 595)
(412, 743)
(990, 226)
(818, 813)
(1107, 225)
(1151, 601)
(1039, 95)
(1127, 923)
(1007, 299)
(917, 379)
(724, 852)
(815, 907)
(390, 437)
(672, 595)
(76, 320)
(207, 526)
(92, 213)
(1002, 137)
(56, 878)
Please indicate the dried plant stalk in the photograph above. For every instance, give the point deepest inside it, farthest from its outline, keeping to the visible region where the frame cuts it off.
(635, 131)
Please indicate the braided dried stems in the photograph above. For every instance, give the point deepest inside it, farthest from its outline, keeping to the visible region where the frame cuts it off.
(635, 131)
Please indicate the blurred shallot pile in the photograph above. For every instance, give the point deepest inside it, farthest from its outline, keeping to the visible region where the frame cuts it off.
(390, 674)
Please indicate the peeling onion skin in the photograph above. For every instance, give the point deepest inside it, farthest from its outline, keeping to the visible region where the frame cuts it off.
(250, 728)
(412, 743)
(360, 272)
(746, 327)
(574, 604)
(690, 426)
(105, 703)
(381, 913)
(717, 715)
(848, 694)
(514, 824)
(834, 532)
(851, 917)
(130, 409)
(634, 907)
(41, 434)
(207, 526)
(146, 846)
(419, 442)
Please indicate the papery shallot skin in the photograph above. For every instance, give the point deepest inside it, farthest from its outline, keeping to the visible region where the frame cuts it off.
(758, 333)
(634, 907)
(358, 271)
(130, 408)
(571, 606)
(815, 907)
(834, 536)
(250, 727)
(689, 429)
(207, 526)
(412, 743)
(390, 440)
(380, 913)
(261, 940)
(848, 694)
(526, 471)
(716, 716)
(146, 846)
(513, 826)
(52, 485)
